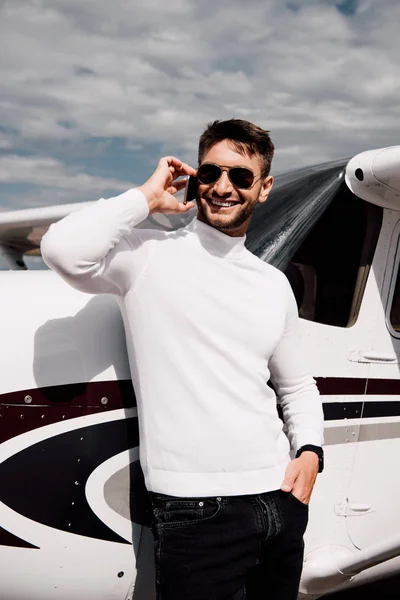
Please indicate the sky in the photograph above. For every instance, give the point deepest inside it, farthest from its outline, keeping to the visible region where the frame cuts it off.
(93, 92)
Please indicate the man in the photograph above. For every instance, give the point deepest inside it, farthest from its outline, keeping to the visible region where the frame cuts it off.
(208, 325)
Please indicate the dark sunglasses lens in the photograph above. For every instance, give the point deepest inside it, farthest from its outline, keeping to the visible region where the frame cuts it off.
(208, 174)
(241, 177)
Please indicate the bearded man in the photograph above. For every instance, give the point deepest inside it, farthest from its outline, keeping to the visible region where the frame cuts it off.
(208, 325)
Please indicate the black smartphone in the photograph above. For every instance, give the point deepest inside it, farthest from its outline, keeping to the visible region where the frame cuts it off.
(190, 189)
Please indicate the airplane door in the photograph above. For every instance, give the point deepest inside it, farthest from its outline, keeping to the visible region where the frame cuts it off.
(373, 510)
(339, 294)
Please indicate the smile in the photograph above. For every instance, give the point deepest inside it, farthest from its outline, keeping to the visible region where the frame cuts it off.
(222, 203)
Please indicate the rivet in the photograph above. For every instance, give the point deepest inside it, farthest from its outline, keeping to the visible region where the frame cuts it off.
(201, 503)
(28, 399)
(76, 482)
(219, 499)
(42, 417)
(104, 401)
(120, 574)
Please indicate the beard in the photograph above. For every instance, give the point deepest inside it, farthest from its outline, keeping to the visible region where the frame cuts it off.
(224, 222)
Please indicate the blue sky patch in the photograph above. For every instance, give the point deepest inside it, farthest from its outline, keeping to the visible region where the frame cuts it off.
(347, 7)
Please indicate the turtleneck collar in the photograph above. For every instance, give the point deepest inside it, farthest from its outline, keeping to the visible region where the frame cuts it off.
(217, 242)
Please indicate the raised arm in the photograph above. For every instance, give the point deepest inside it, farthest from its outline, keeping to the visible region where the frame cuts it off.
(97, 250)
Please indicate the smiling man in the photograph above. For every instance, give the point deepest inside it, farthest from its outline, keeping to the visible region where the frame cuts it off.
(221, 203)
(208, 326)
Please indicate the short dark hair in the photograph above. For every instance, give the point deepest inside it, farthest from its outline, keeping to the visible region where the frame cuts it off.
(246, 138)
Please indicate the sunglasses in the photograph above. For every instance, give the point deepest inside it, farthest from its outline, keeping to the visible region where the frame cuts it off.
(240, 177)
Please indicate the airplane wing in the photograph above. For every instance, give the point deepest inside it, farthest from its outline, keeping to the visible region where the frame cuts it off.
(21, 231)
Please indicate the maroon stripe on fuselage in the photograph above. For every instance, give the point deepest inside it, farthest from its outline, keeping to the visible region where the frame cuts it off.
(339, 386)
(384, 387)
(60, 403)
(119, 394)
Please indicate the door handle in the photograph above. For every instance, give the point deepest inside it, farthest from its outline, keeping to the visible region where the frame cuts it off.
(372, 356)
(352, 509)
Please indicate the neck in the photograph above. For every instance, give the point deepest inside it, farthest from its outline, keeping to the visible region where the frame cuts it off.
(216, 242)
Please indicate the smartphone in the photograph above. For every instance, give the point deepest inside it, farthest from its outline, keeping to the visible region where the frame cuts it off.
(190, 189)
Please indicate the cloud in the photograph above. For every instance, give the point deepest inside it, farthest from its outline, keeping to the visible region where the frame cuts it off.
(52, 182)
(105, 92)
(48, 172)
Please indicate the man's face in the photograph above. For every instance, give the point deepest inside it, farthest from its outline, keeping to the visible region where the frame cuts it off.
(235, 218)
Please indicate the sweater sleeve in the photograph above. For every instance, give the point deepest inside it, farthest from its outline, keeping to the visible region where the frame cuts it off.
(92, 248)
(296, 389)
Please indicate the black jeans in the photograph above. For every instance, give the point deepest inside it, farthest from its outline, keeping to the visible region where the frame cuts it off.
(228, 548)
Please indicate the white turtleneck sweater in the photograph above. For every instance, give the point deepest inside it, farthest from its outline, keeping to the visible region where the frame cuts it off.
(208, 325)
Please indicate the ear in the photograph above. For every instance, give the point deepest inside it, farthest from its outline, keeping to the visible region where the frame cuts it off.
(266, 188)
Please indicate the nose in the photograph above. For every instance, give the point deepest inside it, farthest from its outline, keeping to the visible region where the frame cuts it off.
(223, 186)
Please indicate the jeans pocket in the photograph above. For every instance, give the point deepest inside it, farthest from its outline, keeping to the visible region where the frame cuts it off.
(299, 502)
(176, 512)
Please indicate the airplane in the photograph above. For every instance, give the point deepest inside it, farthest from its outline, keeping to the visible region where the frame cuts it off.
(73, 507)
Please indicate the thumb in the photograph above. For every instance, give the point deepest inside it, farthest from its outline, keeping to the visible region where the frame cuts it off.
(287, 486)
(290, 478)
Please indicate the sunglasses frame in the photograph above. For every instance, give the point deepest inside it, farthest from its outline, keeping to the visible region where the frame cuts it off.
(228, 170)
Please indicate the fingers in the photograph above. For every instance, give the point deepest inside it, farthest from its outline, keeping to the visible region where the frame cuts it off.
(178, 208)
(176, 167)
(303, 490)
(187, 170)
(301, 495)
(185, 207)
(299, 480)
(177, 186)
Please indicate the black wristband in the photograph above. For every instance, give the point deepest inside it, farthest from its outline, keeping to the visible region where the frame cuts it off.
(318, 451)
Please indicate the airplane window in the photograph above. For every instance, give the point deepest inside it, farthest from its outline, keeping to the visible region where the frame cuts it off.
(323, 237)
(335, 258)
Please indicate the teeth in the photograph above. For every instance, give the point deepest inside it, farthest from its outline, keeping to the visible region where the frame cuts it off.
(227, 204)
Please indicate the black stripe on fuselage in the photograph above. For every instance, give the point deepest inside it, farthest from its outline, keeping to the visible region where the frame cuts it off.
(9, 539)
(46, 482)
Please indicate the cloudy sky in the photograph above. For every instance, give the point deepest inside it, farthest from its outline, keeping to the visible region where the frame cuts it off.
(93, 92)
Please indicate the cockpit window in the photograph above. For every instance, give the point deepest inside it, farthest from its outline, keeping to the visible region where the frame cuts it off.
(325, 245)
